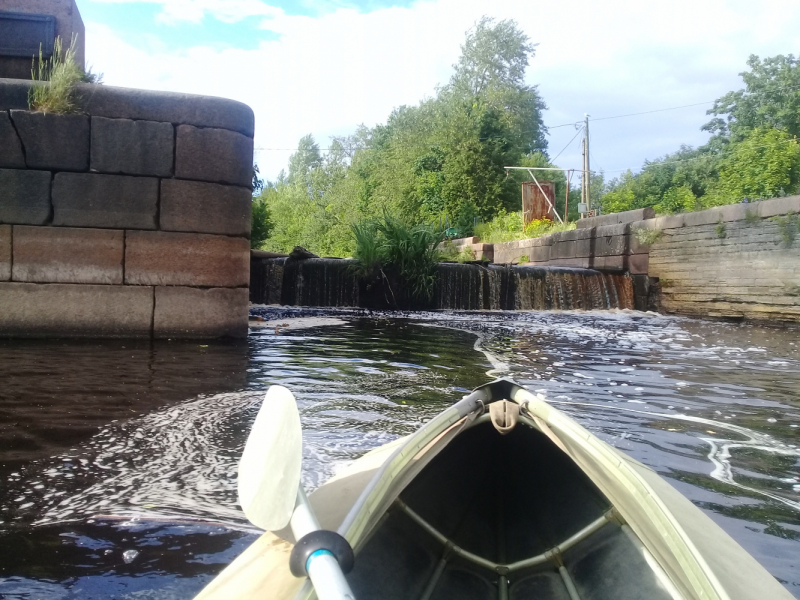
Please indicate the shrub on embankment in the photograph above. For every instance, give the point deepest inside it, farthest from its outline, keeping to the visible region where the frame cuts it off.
(507, 227)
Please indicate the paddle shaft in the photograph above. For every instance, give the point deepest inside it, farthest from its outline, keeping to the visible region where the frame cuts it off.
(323, 568)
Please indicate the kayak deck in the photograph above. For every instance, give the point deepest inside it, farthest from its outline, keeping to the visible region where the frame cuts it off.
(508, 516)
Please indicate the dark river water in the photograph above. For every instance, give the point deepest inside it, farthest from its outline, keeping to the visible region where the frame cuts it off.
(118, 458)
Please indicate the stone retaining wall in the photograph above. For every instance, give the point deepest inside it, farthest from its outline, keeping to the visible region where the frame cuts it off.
(609, 248)
(130, 219)
(738, 262)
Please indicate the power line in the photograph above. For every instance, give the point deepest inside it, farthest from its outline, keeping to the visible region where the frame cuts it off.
(647, 112)
(567, 146)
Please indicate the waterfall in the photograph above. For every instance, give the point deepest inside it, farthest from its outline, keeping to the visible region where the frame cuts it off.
(332, 282)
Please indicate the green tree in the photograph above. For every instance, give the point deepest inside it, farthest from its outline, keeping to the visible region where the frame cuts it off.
(261, 223)
(771, 98)
(304, 160)
(765, 164)
(491, 70)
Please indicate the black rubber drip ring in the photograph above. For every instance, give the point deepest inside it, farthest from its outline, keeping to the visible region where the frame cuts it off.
(321, 539)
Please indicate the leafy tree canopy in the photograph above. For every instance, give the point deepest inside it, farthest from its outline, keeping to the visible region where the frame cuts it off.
(771, 98)
(752, 152)
(441, 161)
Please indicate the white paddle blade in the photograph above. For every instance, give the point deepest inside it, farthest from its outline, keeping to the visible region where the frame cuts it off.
(269, 471)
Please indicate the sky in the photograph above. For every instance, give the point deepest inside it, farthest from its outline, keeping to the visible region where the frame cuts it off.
(325, 66)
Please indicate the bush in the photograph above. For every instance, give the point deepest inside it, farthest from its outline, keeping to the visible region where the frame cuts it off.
(412, 252)
(507, 227)
(61, 73)
(261, 223)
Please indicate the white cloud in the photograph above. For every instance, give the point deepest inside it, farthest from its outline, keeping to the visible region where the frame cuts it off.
(325, 75)
(194, 11)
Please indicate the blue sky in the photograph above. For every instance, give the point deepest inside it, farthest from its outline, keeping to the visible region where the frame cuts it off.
(324, 67)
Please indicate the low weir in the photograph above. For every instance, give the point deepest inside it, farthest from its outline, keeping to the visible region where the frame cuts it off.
(332, 282)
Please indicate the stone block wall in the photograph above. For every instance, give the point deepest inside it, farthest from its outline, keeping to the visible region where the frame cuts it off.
(609, 248)
(130, 219)
(739, 262)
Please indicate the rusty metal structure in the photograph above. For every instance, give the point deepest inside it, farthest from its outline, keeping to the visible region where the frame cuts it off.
(538, 200)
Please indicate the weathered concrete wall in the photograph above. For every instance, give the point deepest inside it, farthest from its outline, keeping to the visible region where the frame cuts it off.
(68, 22)
(609, 248)
(130, 219)
(740, 261)
(480, 250)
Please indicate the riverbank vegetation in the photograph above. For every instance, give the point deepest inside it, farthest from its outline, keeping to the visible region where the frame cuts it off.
(752, 154)
(507, 227)
(440, 162)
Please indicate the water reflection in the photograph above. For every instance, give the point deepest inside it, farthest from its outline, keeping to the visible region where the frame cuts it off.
(713, 407)
(53, 394)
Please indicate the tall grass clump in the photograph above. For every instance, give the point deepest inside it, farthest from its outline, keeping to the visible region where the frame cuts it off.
(507, 227)
(409, 251)
(59, 73)
(413, 252)
(368, 248)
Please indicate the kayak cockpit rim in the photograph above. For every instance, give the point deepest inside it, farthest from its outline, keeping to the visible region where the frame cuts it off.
(667, 548)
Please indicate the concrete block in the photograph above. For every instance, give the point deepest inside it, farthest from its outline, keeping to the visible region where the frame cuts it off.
(668, 222)
(57, 309)
(611, 240)
(14, 92)
(24, 196)
(195, 259)
(637, 247)
(638, 264)
(166, 107)
(539, 254)
(572, 248)
(5, 252)
(132, 147)
(215, 155)
(629, 216)
(205, 207)
(703, 217)
(10, 147)
(779, 206)
(53, 141)
(574, 234)
(578, 263)
(735, 212)
(614, 245)
(185, 312)
(608, 263)
(612, 230)
(114, 201)
(67, 255)
(483, 251)
(467, 241)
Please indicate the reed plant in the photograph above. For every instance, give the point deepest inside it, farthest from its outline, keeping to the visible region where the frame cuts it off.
(413, 252)
(368, 248)
(410, 251)
(58, 74)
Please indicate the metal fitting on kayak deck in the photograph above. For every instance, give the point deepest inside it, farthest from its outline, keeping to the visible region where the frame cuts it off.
(320, 541)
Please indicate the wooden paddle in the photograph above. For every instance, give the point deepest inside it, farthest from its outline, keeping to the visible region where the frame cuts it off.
(272, 496)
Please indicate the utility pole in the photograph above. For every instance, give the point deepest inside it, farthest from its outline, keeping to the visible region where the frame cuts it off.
(585, 180)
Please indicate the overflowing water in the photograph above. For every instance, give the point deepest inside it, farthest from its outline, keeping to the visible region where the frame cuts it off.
(118, 459)
(334, 283)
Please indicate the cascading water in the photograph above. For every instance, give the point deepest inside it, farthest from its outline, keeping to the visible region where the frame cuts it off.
(327, 282)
